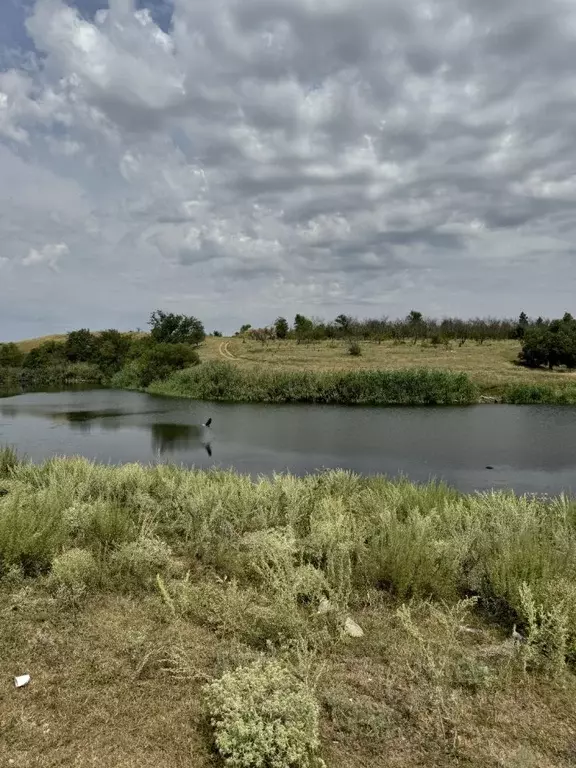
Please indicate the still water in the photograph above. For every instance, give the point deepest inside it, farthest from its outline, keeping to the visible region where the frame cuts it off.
(531, 448)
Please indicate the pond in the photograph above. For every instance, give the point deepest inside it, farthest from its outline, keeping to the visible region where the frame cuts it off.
(529, 448)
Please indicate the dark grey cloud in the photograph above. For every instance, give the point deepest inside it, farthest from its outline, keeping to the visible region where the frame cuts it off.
(289, 155)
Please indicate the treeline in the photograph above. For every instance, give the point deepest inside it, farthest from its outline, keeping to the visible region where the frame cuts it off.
(87, 356)
(414, 327)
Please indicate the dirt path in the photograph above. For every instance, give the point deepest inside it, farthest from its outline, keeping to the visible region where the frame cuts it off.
(225, 352)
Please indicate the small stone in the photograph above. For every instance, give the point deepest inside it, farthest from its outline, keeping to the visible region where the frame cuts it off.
(325, 606)
(352, 629)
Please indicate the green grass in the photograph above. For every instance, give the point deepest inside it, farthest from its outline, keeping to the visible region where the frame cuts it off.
(138, 598)
(225, 381)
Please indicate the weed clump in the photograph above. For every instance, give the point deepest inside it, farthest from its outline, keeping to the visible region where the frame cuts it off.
(76, 568)
(263, 715)
(140, 561)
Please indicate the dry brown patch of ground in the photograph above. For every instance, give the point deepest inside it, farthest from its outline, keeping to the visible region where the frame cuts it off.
(117, 684)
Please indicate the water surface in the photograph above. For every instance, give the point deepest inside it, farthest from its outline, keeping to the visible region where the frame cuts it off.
(531, 448)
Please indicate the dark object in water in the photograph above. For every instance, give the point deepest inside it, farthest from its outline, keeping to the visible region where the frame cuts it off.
(208, 422)
(208, 449)
(489, 466)
(3, 491)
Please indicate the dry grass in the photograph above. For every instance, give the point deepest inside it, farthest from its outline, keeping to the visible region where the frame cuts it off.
(491, 365)
(27, 344)
(118, 685)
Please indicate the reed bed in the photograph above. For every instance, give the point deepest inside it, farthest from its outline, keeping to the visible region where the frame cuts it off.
(224, 381)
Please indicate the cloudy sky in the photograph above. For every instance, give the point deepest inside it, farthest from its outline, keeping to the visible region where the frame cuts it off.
(240, 159)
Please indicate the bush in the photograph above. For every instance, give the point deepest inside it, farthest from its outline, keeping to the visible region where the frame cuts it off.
(31, 532)
(46, 354)
(128, 377)
(355, 349)
(76, 568)
(263, 715)
(142, 560)
(160, 360)
(11, 356)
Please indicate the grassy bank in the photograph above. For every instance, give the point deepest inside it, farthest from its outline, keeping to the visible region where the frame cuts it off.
(225, 381)
(386, 373)
(136, 597)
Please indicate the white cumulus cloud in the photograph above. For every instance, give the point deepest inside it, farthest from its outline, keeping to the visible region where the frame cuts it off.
(245, 159)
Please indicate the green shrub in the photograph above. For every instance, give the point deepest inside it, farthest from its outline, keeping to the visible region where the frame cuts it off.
(31, 531)
(102, 525)
(11, 356)
(263, 716)
(128, 377)
(528, 394)
(355, 349)
(155, 362)
(75, 568)
(141, 560)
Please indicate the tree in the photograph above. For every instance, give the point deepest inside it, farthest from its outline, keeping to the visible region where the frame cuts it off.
(217, 334)
(112, 350)
(176, 329)
(244, 329)
(343, 322)
(11, 356)
(553, 345)
(535, 348)
(80, 346)
(523, 323)
(160, 360)
(416, 325)
(303, 327)
(281, 327)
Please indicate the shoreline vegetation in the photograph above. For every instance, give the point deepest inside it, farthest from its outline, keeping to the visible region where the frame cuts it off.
(232, 380)
(331, 620)
(415, 361)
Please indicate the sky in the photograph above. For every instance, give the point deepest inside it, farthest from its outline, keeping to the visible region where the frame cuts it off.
(242, 159)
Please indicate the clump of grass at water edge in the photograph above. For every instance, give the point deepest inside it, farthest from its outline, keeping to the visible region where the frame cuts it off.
(224, 381)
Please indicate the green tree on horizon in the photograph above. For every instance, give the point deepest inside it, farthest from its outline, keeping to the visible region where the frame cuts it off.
(169, 328)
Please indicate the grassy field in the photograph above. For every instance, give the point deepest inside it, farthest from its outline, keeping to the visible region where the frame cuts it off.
(490, 365)
(125, 591)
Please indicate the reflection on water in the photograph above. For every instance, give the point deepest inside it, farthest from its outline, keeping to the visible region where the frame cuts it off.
(165, 437)
(170, 438)
(529, 448)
